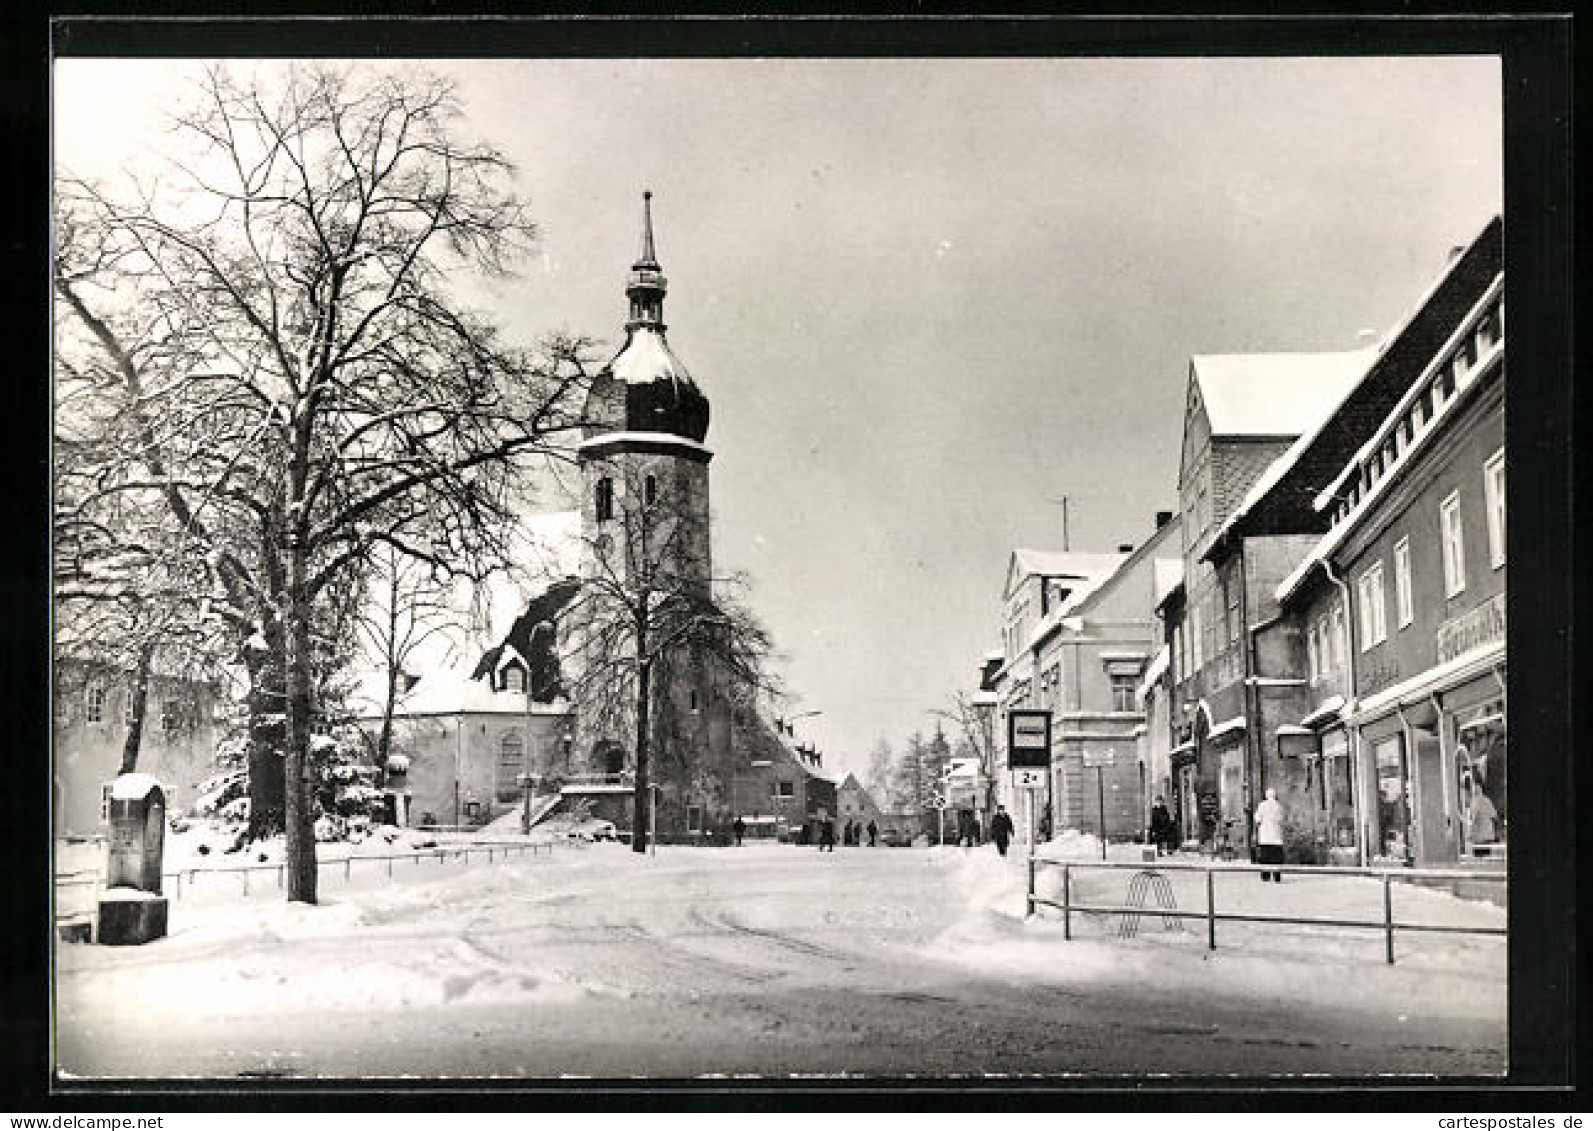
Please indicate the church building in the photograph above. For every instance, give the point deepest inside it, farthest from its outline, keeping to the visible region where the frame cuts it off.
(565, 672)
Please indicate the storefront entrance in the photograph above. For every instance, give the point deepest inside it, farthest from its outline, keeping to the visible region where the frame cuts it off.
(1481, 766)
(1391, 809)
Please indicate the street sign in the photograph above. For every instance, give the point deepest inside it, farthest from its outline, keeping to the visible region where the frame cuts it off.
(1028, 740)
(1028, 779)
(938, 801)
(1093, 758)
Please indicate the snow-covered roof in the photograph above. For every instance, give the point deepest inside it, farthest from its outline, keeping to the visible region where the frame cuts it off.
(1063, 563)
(645, 357)
(1274, 394)
(445, 690)
(1089, 573)
(134, 787)
(1167, 574)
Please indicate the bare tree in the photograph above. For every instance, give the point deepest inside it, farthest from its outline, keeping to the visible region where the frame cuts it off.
(649, 606)
(326, 391)
(973, 724)
(410, 606)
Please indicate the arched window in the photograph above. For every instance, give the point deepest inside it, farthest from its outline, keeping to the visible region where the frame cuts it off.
(650, 491)
(511, 764)
(514, 678)
(605, 499)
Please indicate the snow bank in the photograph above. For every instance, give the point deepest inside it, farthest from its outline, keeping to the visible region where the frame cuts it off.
(1460, 975)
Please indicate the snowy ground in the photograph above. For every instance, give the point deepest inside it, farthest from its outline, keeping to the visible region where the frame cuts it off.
(770, 960)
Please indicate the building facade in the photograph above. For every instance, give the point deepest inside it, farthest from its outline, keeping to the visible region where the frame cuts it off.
(1404, 603)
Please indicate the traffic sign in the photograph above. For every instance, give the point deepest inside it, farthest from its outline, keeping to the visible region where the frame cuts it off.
(1028, 779)
(938, 801)
(1028, 739)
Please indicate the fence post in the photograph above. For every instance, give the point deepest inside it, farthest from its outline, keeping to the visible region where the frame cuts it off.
(348, 862)
(389, 867)
(1211, 911)
(1029, 901)
(280, 870)
(1067, 901)
(245, 881)
(1388, 917)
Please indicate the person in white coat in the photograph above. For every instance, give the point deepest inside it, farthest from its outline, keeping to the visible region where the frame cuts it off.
(1269, 835)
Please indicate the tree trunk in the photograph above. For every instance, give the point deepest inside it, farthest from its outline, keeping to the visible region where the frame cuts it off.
(135, 726)
(267, 736)
(299, 812)
(640, 827)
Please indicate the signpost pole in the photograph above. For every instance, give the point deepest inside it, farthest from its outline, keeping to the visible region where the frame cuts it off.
(1100, 797)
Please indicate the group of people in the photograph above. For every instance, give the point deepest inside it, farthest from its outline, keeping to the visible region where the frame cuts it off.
(1269, 817)
(851, 834)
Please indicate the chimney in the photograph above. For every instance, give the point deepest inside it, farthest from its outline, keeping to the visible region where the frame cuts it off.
(1163, 518)
(1125, 547)
(1456, 252)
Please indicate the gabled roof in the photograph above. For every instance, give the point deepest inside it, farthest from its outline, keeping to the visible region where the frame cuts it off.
(1274, 394)
(1076, 564)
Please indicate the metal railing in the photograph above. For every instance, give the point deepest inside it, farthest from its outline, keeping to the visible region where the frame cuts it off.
(440, 853)
(1387, 924)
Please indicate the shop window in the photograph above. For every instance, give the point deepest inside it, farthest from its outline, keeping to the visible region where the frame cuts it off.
(1393, 800)
(1493, 482)
(1454, 544)
(1480, 761)
(1402, 593)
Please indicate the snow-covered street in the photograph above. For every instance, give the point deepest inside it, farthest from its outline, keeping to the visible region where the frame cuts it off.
(765, 960)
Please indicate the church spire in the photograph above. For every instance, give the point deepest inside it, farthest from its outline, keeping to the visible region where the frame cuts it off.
(646, 284)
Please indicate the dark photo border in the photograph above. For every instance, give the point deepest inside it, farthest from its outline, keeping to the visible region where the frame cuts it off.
(1548, 519)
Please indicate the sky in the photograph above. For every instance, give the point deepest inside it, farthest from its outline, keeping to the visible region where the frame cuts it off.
(927, 298)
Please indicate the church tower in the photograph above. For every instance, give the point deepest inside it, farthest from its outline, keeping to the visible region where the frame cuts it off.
(643, 460)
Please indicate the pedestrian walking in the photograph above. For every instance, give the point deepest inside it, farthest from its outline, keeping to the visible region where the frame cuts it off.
(873, 834)
(1000, 829)
(1161, 825)
(739, 828)
(1269, 835)
(826, 835)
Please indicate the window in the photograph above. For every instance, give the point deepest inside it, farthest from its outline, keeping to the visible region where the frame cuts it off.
(127, 707)
(1337, 642)
(785, 789)
(1454, 542)
(694, 701)
(1493, 485)
(1446, 385)
(1180, 659)
(1195, 631)
(694, 818)
(514, 678)
(511, 764)
(1123, 693)
(1374, 628)
(650, 491)
(1313, 664)
(605, 499)
(1234, 616)
(1402, 598)
(94, 703)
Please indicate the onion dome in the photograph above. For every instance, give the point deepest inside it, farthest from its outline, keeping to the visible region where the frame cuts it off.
(658, 393)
